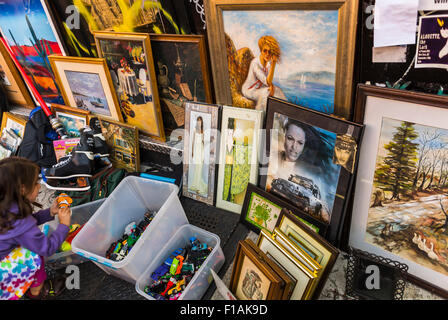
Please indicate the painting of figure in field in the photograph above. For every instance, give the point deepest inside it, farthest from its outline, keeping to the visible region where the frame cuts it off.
(408, 213)
(287, 54)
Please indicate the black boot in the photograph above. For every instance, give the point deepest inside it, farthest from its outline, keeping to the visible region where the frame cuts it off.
(100, 150)
(80, 161)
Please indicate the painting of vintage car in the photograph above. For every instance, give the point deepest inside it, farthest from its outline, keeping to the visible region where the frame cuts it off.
(303, 192)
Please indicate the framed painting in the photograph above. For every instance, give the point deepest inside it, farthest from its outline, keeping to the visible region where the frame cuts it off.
(301, 51)
(310, 242)
(122, 140)
(304, 277)
(73, 119)
(252, 276)
(200, 151)
(32, 38)
(86, 84)
(305, 167)
(14, 123)
(130, 62)
(400, 203)
(262, 210)
(16, 90)
(182, 69)
(238, 160)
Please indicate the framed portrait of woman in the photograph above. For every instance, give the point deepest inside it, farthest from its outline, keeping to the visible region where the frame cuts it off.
(300, 146)
(238, 160)
(200, 151)
(301, 51)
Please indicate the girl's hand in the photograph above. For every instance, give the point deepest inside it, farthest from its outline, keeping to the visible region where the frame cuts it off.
(64, 215)
(54, 208)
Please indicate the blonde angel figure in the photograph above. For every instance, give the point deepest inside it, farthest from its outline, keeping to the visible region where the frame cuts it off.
(258, 85)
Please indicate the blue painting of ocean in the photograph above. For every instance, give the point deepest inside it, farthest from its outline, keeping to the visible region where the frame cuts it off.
(316, 96)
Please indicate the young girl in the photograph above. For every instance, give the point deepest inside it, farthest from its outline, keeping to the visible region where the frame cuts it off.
(22, 244)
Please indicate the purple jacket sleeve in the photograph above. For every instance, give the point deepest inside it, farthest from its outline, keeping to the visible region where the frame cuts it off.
(43, 216)
(34, 240)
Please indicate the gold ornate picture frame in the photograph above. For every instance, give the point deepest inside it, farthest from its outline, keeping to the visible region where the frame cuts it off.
(346, 12)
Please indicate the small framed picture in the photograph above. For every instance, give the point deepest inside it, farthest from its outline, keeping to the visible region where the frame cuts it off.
(86, 84)
(73, 119)
(16, 89)
(319, 249)
(122, 140)
(14, 123)
(262, 210)
(300, 144)
(304, 277)
(238, 160)
(200, 151)
(252, 276)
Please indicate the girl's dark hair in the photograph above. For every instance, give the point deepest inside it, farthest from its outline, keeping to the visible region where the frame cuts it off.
(202, 123)
(16, 173)
(318, 149)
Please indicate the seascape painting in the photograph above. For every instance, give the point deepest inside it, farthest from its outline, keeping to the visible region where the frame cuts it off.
(408, 214)
(88, 92)
(25, 26)
(287, 54)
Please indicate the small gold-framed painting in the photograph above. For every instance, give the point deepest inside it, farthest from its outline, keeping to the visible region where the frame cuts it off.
(304, 277)
(253, 278)
(86, 84)
(16, 90)
(13, 122)
(310, 242)
(122, 140)
(73, 119)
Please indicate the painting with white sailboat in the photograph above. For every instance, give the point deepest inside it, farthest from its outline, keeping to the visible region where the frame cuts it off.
(267, 59)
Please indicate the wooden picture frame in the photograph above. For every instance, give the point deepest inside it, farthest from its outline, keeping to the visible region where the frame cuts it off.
(239, 147)
(16, 89)
(138, 95)
(253, 277)
(91, 77)
(347, 12)
(182, 69)
(256, 196)
(16, 123)
(304, 278)
(385, 113)
(79, 118)
(304, 172)
(123, 143)
(200, 187)
(312, 243)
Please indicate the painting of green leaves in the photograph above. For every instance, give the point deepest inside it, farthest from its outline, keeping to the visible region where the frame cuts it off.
(408, 214)
(262, 212)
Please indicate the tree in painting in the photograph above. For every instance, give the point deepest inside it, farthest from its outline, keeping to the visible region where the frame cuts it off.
(409, 203)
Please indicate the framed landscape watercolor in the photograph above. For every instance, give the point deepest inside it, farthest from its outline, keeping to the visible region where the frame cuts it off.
(296, 50)
(86, 84)
(14, 123)
(32, 38)
(400, 203)
(182, 69)
(73, 119)
(16, 90)
(261, 210)
(238, 159)
(130, 62)
(200, 151)
(300, 145)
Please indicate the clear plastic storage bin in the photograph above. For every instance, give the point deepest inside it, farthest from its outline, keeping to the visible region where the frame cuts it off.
(200, 282)
(80, 215)
(127, 203)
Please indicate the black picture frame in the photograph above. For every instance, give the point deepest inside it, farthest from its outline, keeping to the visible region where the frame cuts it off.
(392, 275)
(283, 205)
(331, 124)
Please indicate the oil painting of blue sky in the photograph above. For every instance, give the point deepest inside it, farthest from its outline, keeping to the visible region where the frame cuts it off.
(308, 42)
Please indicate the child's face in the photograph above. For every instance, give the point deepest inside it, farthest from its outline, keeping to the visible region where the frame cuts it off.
(34, 192)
